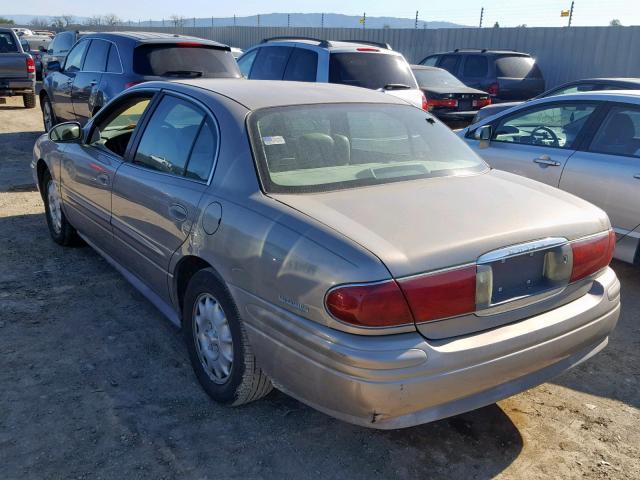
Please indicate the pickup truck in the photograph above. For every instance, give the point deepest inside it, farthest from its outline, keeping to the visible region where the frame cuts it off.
(17, 69)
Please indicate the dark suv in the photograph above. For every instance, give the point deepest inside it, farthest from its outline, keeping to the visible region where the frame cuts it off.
(101, 65)
(505, 74)
(59, 47)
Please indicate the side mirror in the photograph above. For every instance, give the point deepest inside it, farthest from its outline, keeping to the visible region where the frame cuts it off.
(484, 134)
(53, 66)
(68, 132)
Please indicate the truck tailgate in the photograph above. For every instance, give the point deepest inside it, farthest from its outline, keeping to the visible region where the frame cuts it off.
(13, 65)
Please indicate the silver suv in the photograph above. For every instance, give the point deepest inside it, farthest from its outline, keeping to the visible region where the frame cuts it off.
(354, 62)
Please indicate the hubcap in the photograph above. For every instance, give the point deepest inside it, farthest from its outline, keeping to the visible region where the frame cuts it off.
(55, 213)
(212, 337)
(48, 122)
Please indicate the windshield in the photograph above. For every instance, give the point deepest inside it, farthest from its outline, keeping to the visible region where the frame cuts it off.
(337, 146)
(7, 43)
(517, 67)
(174, 60)
(370, 70)
(436, 79)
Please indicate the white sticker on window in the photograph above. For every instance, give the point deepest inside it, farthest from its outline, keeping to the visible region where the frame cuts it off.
(273, 140)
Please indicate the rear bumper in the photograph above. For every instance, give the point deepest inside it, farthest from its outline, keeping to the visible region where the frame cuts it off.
(10, 87)
(397, 381)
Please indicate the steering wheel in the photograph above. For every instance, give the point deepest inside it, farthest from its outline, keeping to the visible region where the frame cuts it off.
(544, 134)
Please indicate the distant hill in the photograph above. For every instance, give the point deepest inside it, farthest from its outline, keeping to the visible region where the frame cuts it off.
(331, 20)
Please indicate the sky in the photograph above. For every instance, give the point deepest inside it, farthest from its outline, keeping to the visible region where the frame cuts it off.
(467, 12)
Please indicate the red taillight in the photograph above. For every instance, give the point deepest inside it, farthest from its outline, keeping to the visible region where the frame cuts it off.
(592, 254)
(130, 84)
(493, 90)
(442, 102)
(441, 295)
(425, 104)
(367, 49)
(481, 102)
(31, 65)
(370, 305)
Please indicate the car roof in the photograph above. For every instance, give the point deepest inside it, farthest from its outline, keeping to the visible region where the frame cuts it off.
(482, 51)
(155, 37)
(330, 45)
(427, 67)
(256, 94)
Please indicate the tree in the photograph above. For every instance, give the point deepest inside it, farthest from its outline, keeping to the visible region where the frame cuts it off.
(93, 21)
(63, 21)
(524, 25)
(39, 22)
(6, 21)
(111, 19)
(177, 20)
(496, 25)
(615, 23)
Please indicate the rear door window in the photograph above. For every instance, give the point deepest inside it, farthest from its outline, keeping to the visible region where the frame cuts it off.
(370, 70)
(517, 67)
(430, 61)
(187, 60)
(619, 134)
(96, 59)
(113, 63)
(450, 63)
(270, 63)
(476, 66)
(302, 66)
(203, 152)
(168, 137)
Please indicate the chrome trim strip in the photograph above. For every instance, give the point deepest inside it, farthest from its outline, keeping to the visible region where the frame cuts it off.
(521, 249)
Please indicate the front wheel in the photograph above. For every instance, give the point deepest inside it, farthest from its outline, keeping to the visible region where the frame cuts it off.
(61, 231)
(218, 346)
(48, 116)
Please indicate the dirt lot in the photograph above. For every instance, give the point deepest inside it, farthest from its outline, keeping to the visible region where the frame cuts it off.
(95, 383)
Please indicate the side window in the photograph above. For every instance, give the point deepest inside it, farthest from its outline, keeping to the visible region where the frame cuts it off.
(430, 61)
(114, 127)
(555, 126)
(74, 59)
(450, 63)
(582, 87)
(246, 62)
(619, 134)
(270, 63)
(302, 66)
(96, 59)
(476, 66)
(64, 41)
(169, 135)
(203, 152)
(113, 61)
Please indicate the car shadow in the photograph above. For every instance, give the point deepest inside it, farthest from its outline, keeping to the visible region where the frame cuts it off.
(613, 373)
(15, 158)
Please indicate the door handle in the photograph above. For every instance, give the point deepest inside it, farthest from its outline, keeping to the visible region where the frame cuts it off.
(546, 160)
(103, 179)
(178, 212)
(93, 82)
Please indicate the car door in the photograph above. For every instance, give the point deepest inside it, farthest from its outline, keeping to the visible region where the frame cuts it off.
(536, 141)
(87, 80)
(607, 174)
(157, 191)
(62, 82)
(88, 168)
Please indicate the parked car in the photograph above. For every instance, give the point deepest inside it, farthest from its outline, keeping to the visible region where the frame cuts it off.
(358, 63)
(505, 74)
(22, 31)
(101, 65)
(59, 47)
(35, 54)
(585, 143)
(447, 97)
(586, 85)
(337, 243)
(17, 69)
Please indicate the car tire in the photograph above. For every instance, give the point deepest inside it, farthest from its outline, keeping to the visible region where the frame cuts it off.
(48, 115)
(216, 338)
(61, 231)
(29, 100)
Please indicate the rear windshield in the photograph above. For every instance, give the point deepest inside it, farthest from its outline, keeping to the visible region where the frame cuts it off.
(370, 70)
(7, 43)
(315, 148)
(436, 78)
(517, 67)
(184, 61)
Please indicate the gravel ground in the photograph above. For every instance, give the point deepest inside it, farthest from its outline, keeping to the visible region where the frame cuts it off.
(95, 383)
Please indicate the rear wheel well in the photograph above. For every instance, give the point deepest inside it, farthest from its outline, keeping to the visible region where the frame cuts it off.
(41, 169)
(185, 270)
